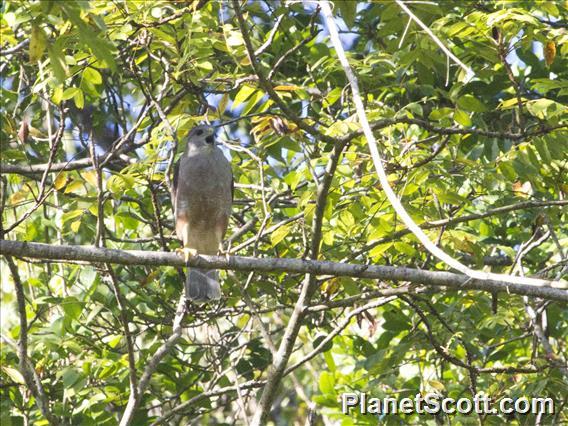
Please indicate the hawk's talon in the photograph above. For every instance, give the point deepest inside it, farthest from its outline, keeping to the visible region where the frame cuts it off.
(187, 253)
(225, 253)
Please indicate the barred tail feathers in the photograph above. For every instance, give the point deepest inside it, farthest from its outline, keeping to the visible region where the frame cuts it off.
(202, 285)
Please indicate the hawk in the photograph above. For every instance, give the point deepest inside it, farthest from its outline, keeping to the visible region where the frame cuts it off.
(203, 195)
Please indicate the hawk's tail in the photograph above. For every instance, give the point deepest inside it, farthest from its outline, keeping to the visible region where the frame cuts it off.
(202, 285)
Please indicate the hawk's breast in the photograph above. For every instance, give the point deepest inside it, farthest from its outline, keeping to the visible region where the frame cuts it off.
(203, 199)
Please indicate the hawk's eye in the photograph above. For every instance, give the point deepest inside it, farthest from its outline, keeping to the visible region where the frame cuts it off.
(199, 132)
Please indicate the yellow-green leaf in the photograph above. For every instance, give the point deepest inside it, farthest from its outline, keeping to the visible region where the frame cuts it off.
(92, 76)
(462, 118)
(75, 226)
(223, 104)
(327, 382)
(279, 234)
(90, 176)
(18, 197)
(287, 88)
(69, 93)
(57, 63)
(38, 42)
(60, 181)
(242, 96)
(437, 385)
(79, 99)
(379, 250)
(73, 186)
(14, 374)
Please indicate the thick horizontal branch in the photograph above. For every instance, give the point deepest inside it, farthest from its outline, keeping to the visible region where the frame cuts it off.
(553, 290)
(38, 169)
(33, 169)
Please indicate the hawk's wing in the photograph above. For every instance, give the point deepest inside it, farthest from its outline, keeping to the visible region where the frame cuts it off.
(175, 183)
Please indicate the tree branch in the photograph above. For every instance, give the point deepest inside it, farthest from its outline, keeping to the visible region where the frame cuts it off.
(27, 369)
(152, 364)
(251, 384)
(553, 290)
(281, 357)
(377, 161)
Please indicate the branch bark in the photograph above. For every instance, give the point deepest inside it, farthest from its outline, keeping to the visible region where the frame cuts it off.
(552, 290)
(32, 379)
(152, 364)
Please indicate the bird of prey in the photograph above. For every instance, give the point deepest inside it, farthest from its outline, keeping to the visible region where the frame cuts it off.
(203, 191)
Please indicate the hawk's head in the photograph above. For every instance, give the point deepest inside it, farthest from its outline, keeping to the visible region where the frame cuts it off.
(200, 136)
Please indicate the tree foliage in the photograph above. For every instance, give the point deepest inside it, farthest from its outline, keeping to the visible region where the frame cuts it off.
(97, 98)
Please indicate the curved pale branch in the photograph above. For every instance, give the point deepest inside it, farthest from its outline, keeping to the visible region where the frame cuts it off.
(377, 161)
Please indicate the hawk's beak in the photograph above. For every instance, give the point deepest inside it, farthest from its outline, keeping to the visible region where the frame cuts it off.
(210, 138)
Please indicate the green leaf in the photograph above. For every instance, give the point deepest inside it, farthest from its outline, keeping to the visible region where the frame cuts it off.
(75, 226)
(70, 215)
(72, 307)
(57, 96)
(38, 43)
(279, 234)
(223, 104)
(57, 62)
(242, 96)
(332, 97)
(102, 49)
(70, 377)
(438, 114)
(542, 148)
(508, 171)
(253, 100)
(462, 118)
(327, 383)
(404, 248)
(112, 340)
(471, 103)
(120, 183)
(395, 321)
(377, 251)
(79, 99)
(14, 374)
(92, 76)
(347, 219)
(319, 339)
(533, 158)
(69, 93)
(348, 10)
(546, 108)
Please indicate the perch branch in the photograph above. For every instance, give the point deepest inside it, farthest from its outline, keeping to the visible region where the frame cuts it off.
(552, 290)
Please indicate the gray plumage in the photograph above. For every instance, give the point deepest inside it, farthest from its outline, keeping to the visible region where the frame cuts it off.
(203, 189)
